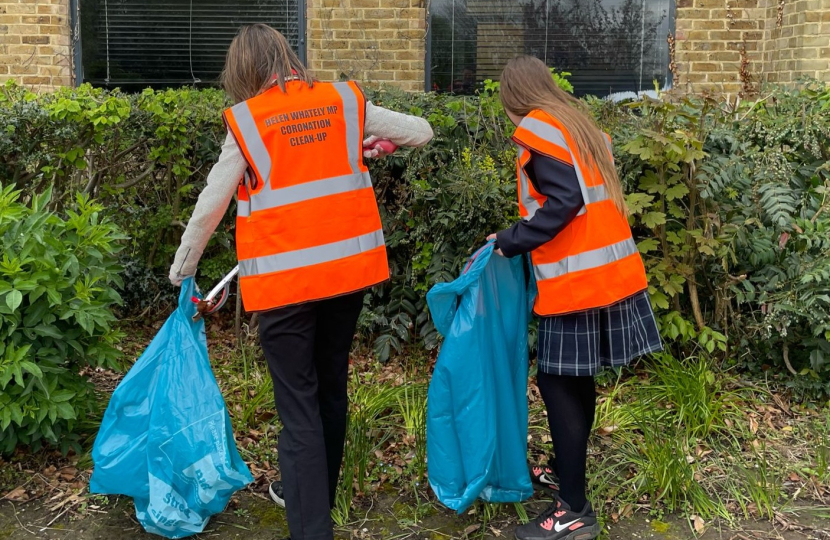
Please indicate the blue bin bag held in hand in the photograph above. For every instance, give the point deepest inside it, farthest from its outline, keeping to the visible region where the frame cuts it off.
(166, 438)
(477, 400)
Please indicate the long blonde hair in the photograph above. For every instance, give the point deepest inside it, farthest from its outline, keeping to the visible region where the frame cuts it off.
(527, 85)
(258, 58)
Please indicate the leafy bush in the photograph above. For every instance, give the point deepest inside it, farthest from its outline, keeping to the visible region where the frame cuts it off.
(729, 204)
(56, 292)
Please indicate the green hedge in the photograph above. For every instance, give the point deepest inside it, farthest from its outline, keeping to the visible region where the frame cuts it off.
(728, 204)
(57, 290)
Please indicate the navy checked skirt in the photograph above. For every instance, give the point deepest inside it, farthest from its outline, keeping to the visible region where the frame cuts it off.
(582, 343)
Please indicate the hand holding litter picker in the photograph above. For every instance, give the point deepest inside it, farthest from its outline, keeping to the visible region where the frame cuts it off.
(210, 304)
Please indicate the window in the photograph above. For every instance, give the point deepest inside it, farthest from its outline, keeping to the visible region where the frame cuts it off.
(131, 43)
(608, 45)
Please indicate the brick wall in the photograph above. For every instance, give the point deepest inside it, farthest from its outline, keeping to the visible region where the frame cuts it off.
(712, 38)
(727, 45)
(372, 41)
(383, 41)
(34, 43)
(798, 41)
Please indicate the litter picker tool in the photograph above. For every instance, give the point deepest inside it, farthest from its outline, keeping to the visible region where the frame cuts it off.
(211, 304)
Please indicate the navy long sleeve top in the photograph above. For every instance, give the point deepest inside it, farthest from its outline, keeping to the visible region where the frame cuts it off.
(557, 181)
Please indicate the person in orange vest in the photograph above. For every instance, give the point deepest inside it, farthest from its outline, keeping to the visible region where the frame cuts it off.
(592, 302)
(309, 242)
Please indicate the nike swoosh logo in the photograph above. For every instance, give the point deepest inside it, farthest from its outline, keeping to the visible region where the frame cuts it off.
(560, 528)
(545, 479)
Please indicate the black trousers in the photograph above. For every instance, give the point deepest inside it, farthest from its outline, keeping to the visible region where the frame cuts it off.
(307, 348)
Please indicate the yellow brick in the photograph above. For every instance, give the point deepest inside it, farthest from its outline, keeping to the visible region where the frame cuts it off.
(708, 46)
(365, 3)
(335, 24)
(28, 51)
(381, 75)
(23, 9)
(408, 76)
(363, 24)
(806, 54)
(377, 35)
(744, 25)
(408, 55)
(815, 65)
(743, 4)
(815, 41)
(694, 14)
(413, 14)
(36, 19)
(23, 69)
(349, 34)
(698, 35)
(53, 71)
(705, 66)
(414, 35)
(36, 40)
(394, 44)
(729, 56)
(708, 25)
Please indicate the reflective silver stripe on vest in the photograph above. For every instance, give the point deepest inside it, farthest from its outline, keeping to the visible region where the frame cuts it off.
(253, 141)
(352, 117)
(608, 144)
(273, 198)
(555, 136)
(587, 260)
(301, 258)
(243, 208)
(597, 194)
(530, 204)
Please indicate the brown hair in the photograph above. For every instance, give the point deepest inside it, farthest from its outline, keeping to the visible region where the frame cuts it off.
(258, 58)
(527, 85)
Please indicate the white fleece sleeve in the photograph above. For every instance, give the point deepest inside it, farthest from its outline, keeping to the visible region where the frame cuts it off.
(401, 129)
(222, 182)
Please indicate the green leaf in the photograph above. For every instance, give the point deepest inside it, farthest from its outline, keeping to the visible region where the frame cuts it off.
(13, 299)
(66, 411)
(31, 367)
(654, 219)
(61, 396)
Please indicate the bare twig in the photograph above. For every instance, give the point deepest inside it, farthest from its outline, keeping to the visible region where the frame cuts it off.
(786, 352)
(130, 183)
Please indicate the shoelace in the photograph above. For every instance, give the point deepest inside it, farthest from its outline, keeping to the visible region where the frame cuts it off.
(549, 512)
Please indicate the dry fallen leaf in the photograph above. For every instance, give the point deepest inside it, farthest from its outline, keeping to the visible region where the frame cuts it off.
(18, 494)
(699, 524)
(471, 529)
(753, 425)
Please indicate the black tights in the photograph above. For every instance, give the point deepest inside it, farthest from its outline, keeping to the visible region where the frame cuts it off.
(571, 403)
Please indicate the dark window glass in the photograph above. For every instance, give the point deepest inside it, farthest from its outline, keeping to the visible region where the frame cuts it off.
(608, 45)
(171, 42)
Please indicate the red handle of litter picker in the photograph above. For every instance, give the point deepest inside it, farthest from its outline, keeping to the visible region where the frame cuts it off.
(385, 144)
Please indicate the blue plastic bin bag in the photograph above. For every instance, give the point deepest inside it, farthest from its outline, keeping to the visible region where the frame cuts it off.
(166, 438)
(477, 401)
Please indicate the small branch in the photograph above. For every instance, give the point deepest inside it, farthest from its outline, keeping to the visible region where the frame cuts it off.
(130, 183)
(787, 359)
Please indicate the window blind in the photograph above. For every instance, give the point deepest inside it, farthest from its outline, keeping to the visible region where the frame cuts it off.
(608, 45)
(172, 42)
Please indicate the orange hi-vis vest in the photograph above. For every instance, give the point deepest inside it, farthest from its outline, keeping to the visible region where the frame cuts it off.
(307, 226)
(593, 262)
